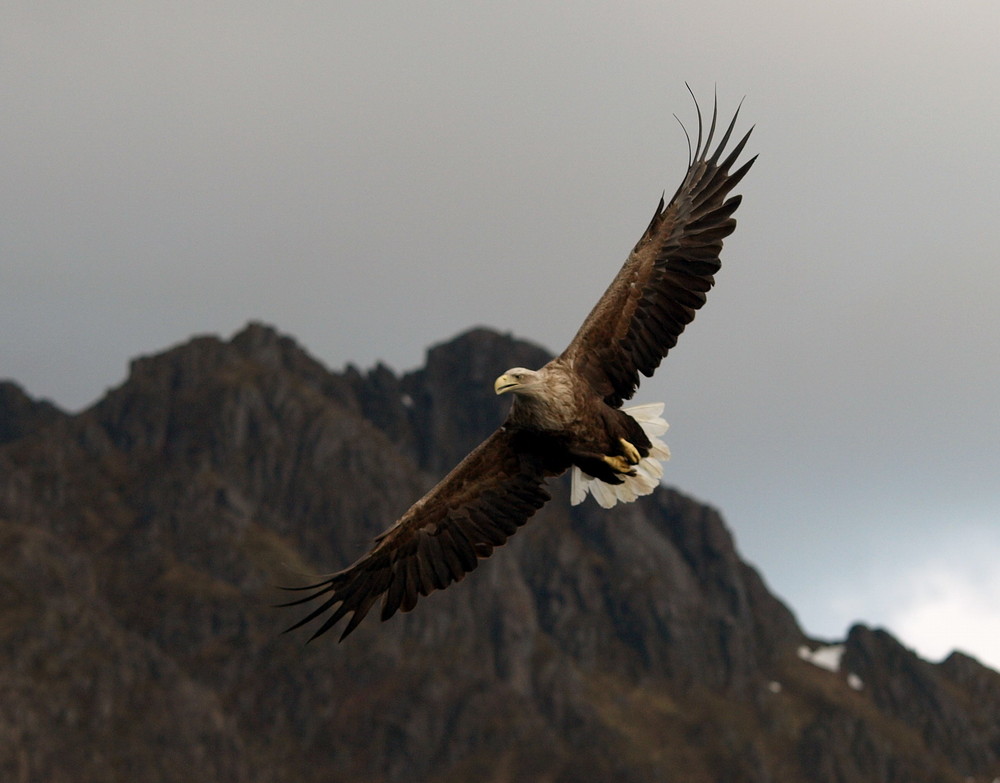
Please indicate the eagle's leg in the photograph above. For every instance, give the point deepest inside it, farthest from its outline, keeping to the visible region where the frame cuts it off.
(607, 468)
(619, 464)
(631, 452)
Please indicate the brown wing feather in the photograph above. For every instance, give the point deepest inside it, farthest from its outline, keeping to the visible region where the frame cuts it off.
(475, 508)
(665, 278)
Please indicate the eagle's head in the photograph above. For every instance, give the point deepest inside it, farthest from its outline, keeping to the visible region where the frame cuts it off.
(520, 381)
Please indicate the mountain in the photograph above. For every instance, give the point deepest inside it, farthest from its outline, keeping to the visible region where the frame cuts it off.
(141, 540)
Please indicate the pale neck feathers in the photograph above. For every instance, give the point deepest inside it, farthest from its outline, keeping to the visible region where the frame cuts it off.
(549, 404)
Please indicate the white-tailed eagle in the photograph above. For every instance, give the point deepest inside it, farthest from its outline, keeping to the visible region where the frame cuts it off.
(566, 415)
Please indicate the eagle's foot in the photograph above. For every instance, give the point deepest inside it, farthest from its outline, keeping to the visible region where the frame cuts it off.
(619, 464)
(631, 452)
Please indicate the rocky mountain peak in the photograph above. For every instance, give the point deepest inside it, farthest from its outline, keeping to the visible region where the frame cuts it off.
(20, 414)
(142, 539)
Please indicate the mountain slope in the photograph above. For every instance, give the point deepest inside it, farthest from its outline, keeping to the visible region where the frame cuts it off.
(142, 539)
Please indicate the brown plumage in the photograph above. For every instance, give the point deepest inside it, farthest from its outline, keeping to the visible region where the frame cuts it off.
(665, 278)
(565, 415)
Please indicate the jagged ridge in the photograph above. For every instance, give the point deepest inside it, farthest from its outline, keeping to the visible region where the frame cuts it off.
(141, 540)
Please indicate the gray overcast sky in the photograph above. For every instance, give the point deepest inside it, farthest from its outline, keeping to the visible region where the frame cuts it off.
(373, 178)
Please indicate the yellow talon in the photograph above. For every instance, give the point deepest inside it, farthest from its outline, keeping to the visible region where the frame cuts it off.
(631, 452)
(618, 464)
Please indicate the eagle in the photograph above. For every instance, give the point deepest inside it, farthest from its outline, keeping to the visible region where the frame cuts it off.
(566, 415)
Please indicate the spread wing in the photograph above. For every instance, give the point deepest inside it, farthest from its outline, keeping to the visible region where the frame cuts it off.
(441, 538)
(666, 276)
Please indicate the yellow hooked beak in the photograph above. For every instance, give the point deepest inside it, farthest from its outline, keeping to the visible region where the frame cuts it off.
(505, 383)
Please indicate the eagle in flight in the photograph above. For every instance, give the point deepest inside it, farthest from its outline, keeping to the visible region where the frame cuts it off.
(564, 416)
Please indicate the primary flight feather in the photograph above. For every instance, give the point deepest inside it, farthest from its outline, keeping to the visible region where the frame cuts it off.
(566, 415)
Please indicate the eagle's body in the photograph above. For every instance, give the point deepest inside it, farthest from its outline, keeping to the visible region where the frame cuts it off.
(602, 441)
(566, 415)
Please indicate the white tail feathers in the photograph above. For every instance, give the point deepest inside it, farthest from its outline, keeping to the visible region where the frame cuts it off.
(647, 473)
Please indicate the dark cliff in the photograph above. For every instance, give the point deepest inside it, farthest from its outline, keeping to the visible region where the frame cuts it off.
(141, 541)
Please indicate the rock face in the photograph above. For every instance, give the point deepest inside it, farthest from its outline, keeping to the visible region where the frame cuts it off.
(141, 541)
(19, 414)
